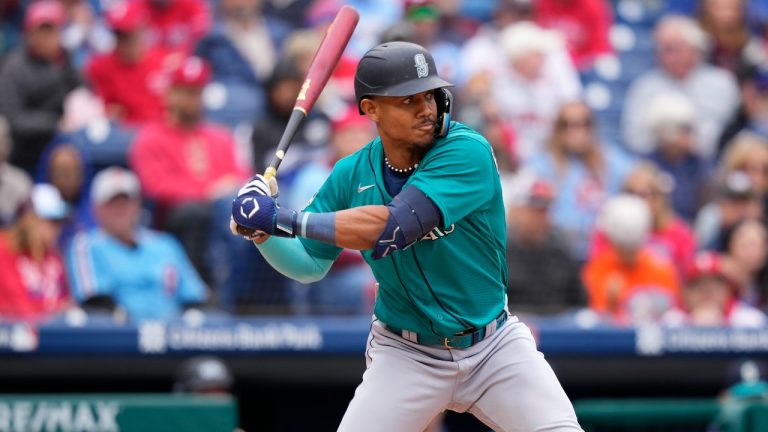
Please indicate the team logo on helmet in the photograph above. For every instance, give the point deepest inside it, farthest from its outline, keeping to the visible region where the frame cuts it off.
(422, 68)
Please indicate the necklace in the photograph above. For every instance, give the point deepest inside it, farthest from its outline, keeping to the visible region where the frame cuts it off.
(399, 170)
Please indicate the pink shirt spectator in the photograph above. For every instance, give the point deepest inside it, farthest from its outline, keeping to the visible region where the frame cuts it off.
(177, 25)
(583, 23)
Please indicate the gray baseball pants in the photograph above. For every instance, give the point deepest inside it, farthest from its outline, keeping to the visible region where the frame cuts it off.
(503, 380)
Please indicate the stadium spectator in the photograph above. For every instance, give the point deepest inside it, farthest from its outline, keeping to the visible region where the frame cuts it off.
(64, 166)
(542, 276)
(736, 199)
(583, 23)
(746, 250)
(184, 162)
(583, 172)
(752, 115)
(85, 33)
(671, 120)
(33, 283)
(15, 184)
(34, 80)
(131, 79)
(527, 94)
(176, 25)
(347, 288)
(748, 153)
(708, 299)
(282, 89)
(243, 44)
(733, 45)
(144, 272)
(424, 15)
(626, 282)
(680, 47)
(671, 239)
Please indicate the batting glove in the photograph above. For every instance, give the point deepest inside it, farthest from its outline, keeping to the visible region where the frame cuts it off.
(263, 213)
(259, 185)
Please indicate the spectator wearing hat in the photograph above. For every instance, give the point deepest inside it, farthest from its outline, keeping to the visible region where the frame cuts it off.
(34, 81)
(15, 184)
(184, 163)
(543, 278)
(736, 198)
(625, 281)
(33, 282)
(583, 23)
(131, 79)
(528, 94)
(709, 298)
(680, 48)
(672, 120)
(671, 239)
(176, 25)
(144, 272)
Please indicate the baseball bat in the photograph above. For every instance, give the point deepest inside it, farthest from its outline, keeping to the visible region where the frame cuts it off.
(326, 57)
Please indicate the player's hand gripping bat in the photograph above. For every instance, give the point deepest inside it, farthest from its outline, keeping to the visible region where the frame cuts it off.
(323, 64)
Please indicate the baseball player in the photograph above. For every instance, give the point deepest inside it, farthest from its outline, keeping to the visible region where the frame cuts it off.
(423, 204)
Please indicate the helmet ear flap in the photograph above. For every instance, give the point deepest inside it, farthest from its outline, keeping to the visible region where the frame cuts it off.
(444, 100)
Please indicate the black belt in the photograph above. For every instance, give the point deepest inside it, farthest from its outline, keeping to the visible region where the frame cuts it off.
(464, 339)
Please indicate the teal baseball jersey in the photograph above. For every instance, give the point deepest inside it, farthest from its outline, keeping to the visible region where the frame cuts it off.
(455, 277)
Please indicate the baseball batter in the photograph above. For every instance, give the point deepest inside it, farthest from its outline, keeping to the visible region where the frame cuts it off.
(423, 204)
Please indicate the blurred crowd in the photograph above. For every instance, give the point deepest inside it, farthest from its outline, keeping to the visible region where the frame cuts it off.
(631, 136)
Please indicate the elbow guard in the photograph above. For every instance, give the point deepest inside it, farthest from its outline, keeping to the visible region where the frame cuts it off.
(411, 215)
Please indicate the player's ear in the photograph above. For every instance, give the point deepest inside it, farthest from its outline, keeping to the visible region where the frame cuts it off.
(370, 109)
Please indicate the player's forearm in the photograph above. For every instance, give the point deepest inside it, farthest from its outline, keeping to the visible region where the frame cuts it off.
(358, 228)
(288, 256)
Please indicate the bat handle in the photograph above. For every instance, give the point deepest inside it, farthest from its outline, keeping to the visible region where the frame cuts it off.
(270, 172)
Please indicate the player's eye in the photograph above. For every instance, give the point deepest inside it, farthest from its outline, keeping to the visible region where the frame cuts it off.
(429, 96)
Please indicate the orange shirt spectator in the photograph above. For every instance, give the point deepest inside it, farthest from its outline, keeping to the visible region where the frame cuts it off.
(626, 281)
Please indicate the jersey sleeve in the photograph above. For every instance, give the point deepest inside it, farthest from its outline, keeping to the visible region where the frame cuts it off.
(191, 287)
(89, 276)
(332, 196)
(459, 178)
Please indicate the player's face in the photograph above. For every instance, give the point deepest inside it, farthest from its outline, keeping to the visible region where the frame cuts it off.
(409, 120)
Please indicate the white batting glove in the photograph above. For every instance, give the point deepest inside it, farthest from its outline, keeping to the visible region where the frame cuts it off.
(259, 185)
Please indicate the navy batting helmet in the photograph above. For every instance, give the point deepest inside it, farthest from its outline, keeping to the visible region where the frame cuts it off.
(396, 69)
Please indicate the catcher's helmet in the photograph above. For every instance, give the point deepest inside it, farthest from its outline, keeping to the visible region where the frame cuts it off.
(400, 69)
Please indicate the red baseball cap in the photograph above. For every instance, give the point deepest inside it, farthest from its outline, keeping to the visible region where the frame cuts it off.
(126, 17)
(706, 264)
(45, 12)
(192, 72)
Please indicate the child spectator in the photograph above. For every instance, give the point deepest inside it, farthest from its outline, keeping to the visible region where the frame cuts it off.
(543, 277)
(625, 281)
(144, 272)
(34, 80)
(33, 282)
(709, 299)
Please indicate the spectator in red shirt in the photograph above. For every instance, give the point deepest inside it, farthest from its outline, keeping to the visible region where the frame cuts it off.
(131, 79)
(583, 23)
(32, 279)
(184, 162)
(177, 25)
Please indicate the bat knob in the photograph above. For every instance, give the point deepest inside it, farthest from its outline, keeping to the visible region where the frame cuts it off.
(248, 232)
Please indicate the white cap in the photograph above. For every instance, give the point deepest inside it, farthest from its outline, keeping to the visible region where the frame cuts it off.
(47, 202)
(112, 182)
(526, 37)
(668, 110)
(626, 221)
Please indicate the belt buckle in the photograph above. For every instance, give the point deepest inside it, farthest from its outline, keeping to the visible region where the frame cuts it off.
(446, 343)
